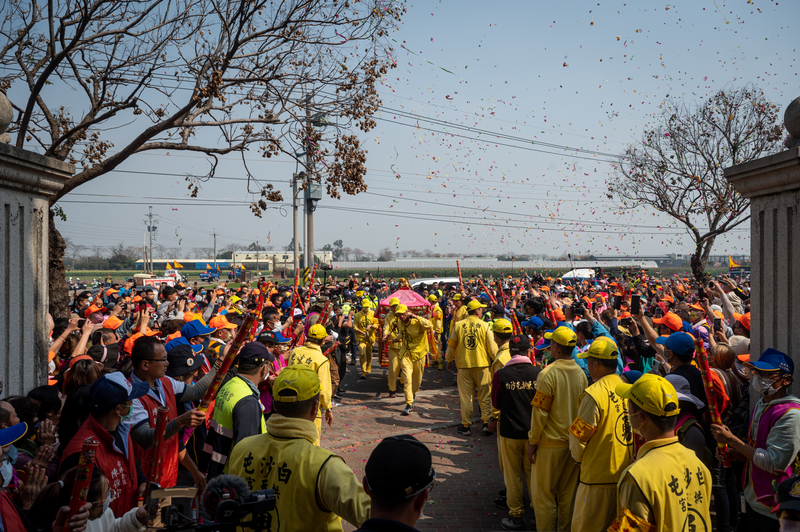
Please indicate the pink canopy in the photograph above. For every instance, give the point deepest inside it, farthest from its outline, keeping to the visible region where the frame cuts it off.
(409, 298)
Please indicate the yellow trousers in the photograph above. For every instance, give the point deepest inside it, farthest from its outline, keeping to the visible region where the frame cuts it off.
(365, 357)
(515, 466)
(318, 423)
(554, 478)
(439, 358)
(468, 380)
(394, 367)
(595, 507)
(412, 377)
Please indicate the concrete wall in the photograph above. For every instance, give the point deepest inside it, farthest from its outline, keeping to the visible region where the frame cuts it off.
(773, 186)
(27, 181)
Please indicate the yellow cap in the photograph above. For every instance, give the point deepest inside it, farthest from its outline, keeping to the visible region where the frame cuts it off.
(400, 310)
(433, 298)
(366, 303)
(602, 347)
(653, 394)
(359, 293)
(562, 336)
(502, 325)
(475, 304)
(296, 383)
(394, 301)
(456, 297)
(317, 332)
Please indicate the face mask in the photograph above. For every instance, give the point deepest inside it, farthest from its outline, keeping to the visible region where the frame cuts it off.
(763, 385)
(637, 430)
(6, 471)
(106, 504)
(126, 417)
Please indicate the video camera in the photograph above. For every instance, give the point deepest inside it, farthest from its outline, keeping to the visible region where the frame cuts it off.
(228, 505)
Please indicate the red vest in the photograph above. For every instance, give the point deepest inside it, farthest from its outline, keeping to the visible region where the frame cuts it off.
(169, 460)
(120, 470)
(9, 515)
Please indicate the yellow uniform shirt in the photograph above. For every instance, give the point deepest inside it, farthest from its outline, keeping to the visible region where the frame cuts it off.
(600, 437)
(437, 318)
(388, 325)
(458, 314)
(362, 322)
(502, 358)
(555, 405)
(311, 355)
(413, 337)
(667, 488)
(471, 344)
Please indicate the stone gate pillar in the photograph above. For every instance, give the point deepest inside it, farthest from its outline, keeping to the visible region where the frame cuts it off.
(773, 186)
(27, 181)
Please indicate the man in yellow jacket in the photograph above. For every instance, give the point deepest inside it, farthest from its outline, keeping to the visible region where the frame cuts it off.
(365, 324)
(314, 488)
(473, 347)
(412, 331)
(555, 405)
(667, 487)
(600, 440)
(311, 355)
(390, 335)
(459, 311)
(437, 318)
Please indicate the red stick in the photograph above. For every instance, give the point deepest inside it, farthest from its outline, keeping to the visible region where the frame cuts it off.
(550, 314)
(460, 279)
(491, 296)
(83, 477)
(294, 294)
(311, 279)
(702, 364)
(154, 467)
(227, 361)
(262, 292)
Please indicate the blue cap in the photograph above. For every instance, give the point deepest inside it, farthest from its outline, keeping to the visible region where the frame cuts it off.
(195, 328)
(180, 340)
(680, 343)
(632, 375)
(534, 323)
(773, 360)
(12, 433)
(113, 389)
(281, 339)
(546, 344)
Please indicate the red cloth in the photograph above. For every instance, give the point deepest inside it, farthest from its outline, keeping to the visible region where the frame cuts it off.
(9, 515)
(169, 449)
(723, 401)
(120, 470)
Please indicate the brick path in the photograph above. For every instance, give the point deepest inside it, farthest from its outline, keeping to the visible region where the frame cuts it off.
(468, 476)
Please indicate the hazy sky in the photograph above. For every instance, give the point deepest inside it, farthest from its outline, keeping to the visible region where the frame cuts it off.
(576, 74)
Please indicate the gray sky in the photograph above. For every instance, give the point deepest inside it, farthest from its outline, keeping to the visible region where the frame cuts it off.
(575, 74)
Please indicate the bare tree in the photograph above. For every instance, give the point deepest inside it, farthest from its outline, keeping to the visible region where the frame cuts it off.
(676, 167)
(160, 251)
(385, 255)
(213, 77)
(97, 250)
(175, 252)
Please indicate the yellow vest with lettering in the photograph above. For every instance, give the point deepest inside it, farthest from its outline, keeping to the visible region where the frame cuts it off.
(437, 317)
(459, 314)
(471, 338)
(363, 321)
(608, 445)
(677, 485)
(290, 466)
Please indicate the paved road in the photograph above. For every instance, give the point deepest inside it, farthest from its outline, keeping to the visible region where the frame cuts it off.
(468, 475)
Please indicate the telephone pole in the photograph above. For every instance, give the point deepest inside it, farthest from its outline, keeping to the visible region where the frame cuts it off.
(215, 247)
(151, 239)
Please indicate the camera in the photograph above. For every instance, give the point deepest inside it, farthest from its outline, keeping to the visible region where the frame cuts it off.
(577, 308)
(228, 504)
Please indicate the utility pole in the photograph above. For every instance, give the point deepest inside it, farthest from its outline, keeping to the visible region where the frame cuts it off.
(309, 205)
(296, 237)
(257, 258)
(215, 247)
(144, 252)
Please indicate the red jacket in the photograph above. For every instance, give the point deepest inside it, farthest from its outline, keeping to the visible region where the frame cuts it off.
(120, 470)
(169, 449)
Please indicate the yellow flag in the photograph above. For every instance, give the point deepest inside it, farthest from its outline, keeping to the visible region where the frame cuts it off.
(169, 266)
(178, 265)
(731, 263)
(242, 267)
(208, 266)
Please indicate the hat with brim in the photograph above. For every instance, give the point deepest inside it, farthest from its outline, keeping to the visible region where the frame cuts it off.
(772, 360)
(653, 394)
(113, 389)
(788, 495)
(475, 305)
(296, 383)
(684, 390)
(12, 433)
(196, 328)
(601, 347)
(183, 359)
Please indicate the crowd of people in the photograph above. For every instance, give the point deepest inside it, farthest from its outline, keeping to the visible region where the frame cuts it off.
(620, 403)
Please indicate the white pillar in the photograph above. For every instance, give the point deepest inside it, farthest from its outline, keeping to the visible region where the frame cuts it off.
(27, 181)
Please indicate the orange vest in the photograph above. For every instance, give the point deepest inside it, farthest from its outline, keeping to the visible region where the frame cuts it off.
(169, 449)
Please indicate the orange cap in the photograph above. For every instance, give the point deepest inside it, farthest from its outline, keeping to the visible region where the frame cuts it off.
(745, 321)
(221, 322)
(671, 320)
(92, 309)
(558, 314)
(112, 322)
